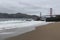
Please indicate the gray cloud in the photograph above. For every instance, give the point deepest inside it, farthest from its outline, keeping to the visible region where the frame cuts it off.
(29, 6)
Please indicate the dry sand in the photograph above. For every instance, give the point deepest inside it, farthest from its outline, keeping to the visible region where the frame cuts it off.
(47, 32)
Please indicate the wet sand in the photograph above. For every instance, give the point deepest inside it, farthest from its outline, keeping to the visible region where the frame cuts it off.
(46, 32)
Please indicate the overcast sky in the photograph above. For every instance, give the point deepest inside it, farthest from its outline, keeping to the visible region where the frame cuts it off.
(30, 6)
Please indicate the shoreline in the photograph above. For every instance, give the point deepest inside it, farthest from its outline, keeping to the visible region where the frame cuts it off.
(46, 32)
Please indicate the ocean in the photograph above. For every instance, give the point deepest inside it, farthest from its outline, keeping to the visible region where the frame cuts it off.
(8, 19)
(14, 27)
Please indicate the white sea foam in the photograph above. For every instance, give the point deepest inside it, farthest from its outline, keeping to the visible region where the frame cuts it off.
(14, 28)
(13, 24)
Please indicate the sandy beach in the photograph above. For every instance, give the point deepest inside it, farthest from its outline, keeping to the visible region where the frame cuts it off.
(46, 32)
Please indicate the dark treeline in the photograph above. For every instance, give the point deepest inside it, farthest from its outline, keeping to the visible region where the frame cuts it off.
(56, 19)
(18, 15)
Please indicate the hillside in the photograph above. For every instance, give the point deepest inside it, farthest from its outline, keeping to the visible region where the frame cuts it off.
(18, 15)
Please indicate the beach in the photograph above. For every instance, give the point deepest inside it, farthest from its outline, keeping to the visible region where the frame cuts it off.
(45, 32)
